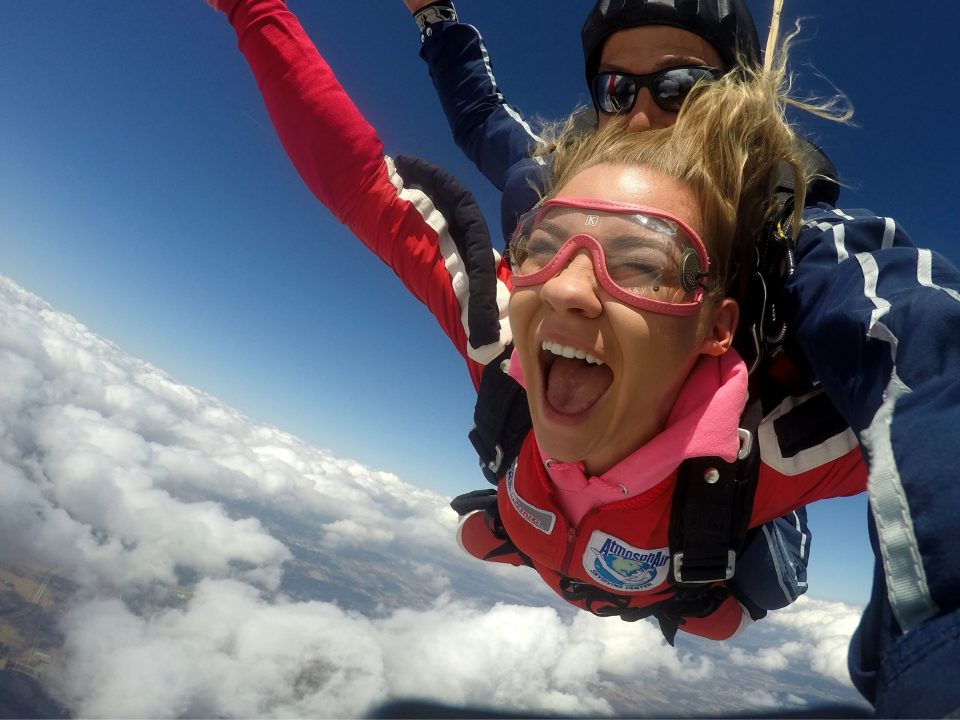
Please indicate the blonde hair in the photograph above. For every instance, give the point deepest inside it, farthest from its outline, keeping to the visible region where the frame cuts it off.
(730, 144)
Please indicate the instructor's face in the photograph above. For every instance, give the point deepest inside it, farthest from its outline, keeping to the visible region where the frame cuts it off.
(647, 49)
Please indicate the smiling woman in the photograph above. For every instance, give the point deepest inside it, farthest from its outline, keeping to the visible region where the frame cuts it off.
(645, 328)
(622, 316)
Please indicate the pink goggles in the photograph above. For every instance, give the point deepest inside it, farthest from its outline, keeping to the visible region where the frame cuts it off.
(644, 257)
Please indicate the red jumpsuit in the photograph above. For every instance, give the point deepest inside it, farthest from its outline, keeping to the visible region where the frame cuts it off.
(621, 545)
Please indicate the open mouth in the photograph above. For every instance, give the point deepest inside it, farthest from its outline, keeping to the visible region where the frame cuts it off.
(574, 380)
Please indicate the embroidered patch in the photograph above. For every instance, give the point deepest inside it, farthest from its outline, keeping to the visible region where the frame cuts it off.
(619, 566)
(542, 520)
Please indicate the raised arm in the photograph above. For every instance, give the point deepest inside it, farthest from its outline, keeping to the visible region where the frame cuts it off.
(340, 158)
(879, 320)
(492, 133)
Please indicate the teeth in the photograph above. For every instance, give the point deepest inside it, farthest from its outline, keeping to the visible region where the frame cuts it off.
(570, 352)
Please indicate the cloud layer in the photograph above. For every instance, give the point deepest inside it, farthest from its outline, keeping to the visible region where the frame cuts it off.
(225, 568)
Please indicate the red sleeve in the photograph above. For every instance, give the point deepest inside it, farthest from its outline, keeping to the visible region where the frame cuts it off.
(807, 453)
(340, 158)
(778, 492)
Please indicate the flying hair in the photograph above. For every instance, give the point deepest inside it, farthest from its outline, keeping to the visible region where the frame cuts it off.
(730, 144)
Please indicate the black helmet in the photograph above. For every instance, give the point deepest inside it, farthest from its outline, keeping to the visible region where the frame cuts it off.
(725, 24)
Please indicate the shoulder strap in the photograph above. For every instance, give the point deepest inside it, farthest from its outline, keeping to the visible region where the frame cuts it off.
(712, 504)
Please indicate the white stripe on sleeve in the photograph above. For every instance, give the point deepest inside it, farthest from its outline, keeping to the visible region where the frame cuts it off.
(488, 66)
(925, 274)
(907, 588)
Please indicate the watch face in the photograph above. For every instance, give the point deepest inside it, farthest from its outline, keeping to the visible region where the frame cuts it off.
(435, 14)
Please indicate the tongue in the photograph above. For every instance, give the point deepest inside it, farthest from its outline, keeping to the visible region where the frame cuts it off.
(573, 386)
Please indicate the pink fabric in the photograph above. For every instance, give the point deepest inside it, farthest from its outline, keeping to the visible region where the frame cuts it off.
(704, 421)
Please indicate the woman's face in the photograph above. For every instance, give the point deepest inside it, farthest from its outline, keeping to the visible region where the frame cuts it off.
(600, 413)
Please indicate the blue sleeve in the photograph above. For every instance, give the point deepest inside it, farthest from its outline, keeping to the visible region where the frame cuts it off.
(772, 567)
(492, 134)
(879, 320)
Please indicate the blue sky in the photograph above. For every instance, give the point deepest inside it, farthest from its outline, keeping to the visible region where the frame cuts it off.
(142, 189)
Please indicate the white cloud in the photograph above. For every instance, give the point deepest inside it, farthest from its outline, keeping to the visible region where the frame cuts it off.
(761, 699)
(100, 451)
(637, 649)
(228, 569)
(437, 583)
(349, 531)
(505, 657)
(826, 629)
(766, 700)
(768, 659)
(228, 653)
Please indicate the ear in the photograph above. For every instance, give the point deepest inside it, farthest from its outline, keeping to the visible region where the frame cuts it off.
(721, 325)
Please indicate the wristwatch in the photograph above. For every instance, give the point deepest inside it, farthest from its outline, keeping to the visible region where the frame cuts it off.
(438, 12)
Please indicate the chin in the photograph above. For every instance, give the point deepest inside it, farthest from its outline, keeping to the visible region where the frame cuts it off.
(563, 442)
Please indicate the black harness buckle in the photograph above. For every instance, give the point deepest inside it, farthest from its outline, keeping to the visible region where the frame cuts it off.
(706, 570)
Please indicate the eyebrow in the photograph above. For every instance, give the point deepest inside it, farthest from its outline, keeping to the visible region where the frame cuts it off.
(618, 242)
(554, 229)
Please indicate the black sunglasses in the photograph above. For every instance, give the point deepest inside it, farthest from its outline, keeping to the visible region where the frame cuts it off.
(616, 92)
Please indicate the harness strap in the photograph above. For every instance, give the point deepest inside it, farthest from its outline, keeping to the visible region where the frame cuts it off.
(709, 525)
(712, 504)
(680, 602)
(501, 418)
(698, 601)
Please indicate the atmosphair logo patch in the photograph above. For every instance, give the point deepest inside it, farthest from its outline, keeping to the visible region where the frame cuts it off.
(622, 567)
